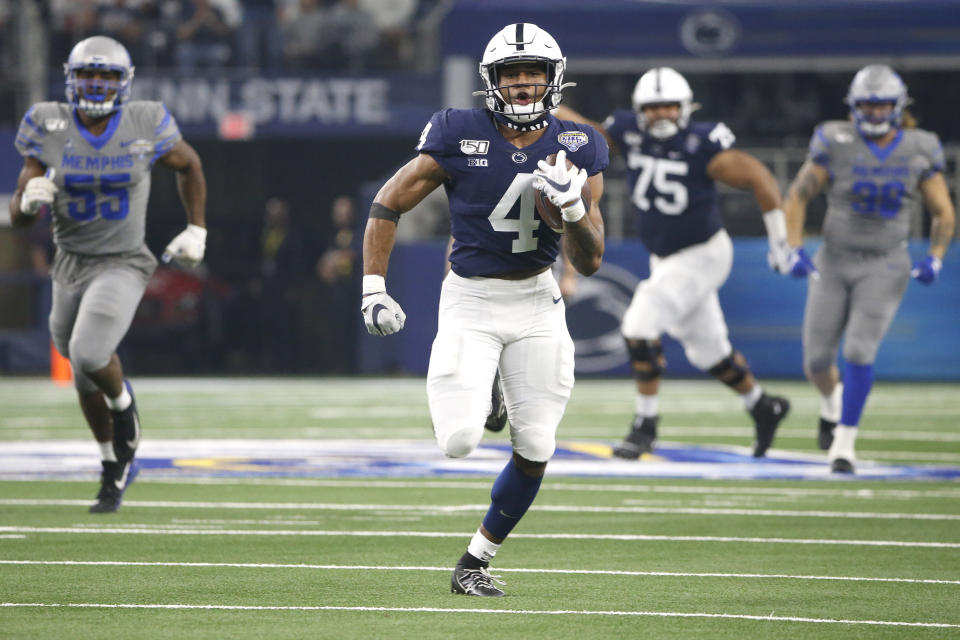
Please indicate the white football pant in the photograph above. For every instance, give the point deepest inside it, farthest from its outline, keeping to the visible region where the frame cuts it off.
(519, 325)
(680, 298)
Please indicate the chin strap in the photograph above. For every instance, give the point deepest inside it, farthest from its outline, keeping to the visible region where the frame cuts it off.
(539, 123)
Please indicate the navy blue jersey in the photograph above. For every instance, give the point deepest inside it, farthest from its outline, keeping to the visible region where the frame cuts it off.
(675, 198)
(493, 220)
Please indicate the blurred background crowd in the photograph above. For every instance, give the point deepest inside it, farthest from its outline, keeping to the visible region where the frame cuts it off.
(300, 109)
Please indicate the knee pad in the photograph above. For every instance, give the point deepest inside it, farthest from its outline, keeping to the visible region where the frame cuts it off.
(87, 360)
(646, 359)
(817, 361)
(536, 445)
(732, 370)
(461, 442)
(859, 351)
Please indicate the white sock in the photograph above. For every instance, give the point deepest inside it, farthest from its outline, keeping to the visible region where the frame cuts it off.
(646, 406)
(843, 440)
(830, 405)
(481, 548)
(106, 452)
(121, 402)
(750, 397)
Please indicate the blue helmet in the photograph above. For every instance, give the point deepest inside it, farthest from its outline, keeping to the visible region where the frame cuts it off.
(877, 83)
(95, 96)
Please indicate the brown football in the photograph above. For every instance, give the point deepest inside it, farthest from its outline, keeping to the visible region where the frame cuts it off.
(549, 212)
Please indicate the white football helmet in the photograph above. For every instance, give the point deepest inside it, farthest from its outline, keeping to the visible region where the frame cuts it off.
(515, 43)
(872, 84)
(658, 86)
(96, 97)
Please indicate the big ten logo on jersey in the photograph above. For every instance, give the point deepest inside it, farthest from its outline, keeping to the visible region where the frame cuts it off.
(477, 162)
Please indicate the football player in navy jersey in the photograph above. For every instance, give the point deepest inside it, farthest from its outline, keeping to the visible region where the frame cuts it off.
(673, 165)
(500, 305)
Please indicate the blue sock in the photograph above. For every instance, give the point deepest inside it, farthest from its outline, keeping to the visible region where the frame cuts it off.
(513, 493)
(857, 381)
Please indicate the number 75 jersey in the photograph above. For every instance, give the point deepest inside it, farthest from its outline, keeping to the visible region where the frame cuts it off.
(873, 192)
(675, 199)
(104, 181)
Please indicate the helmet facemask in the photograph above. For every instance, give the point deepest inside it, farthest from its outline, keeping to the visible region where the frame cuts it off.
(97, 96)
(504, 96)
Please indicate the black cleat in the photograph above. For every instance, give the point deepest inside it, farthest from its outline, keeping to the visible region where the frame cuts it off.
(767, 414)
(640, 440)
(841, 465)
(474, 582)
(497, 419)
(126, 429)
(825, 433)
(114, 480)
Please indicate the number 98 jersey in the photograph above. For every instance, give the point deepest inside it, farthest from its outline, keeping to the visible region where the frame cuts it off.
(873, 192)
(675, 199)
(103, 181)
(493, 219)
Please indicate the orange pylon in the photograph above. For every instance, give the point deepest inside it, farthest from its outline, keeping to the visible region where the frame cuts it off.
(60, 371)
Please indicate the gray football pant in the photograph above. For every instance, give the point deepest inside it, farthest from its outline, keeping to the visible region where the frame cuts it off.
(856, 298)
(88, 320)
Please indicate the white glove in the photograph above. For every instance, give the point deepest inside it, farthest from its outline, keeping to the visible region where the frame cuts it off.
(381, 313)
(778, 255)
(562, 186)
(39, 192)
(188, 247)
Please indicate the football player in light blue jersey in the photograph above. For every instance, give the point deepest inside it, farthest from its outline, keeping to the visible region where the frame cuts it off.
(89, 160)
(878, 170)
(500, 305)
(673, 165)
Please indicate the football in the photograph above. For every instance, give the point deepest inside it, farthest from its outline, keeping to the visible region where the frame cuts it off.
(549, 212)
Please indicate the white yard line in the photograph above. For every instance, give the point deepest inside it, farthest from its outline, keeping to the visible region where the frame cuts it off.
(482, 508)
(549, 485)
(340, 567)
(187, 531)
(524, 612)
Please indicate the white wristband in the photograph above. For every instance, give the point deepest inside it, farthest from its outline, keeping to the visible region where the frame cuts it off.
(574, 212)
(374, 284)
(776, 223)
(198, 231)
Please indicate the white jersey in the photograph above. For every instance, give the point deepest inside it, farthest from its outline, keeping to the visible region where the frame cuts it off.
(103, 181)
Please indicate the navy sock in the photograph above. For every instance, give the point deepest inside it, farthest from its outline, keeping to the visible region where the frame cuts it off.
(857, 381)
(512, 494)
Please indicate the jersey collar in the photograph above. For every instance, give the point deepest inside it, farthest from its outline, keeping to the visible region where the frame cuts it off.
(97, 142)
(882, 153)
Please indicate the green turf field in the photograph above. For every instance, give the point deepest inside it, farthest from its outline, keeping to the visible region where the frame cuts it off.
(358, 557)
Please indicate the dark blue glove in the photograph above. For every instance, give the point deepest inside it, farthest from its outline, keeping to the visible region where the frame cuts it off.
(799, 264)
(926, 270)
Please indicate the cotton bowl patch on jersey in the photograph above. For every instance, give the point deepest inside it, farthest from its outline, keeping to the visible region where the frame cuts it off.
(573, 140)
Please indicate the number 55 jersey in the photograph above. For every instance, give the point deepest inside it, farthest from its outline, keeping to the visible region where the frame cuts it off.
(104, 181)
(873, 192)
